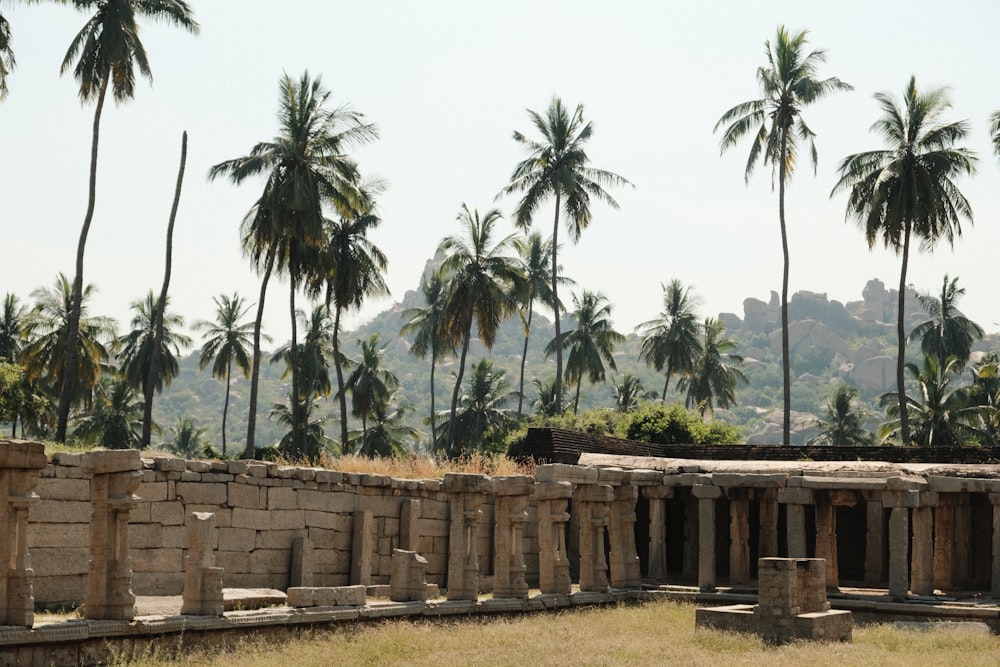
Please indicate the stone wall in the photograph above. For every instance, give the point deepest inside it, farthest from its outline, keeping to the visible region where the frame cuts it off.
(260, 508)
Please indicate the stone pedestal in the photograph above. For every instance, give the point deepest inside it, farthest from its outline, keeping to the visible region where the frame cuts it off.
(553, 562)
(20, 463)
(511, 512)
(467, 494)
(202, 579)
(115, 476)
(408, 579)
(657, 496)
(594, 502)
(626, 570)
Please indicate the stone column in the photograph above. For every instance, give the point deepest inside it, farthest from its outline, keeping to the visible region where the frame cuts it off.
(626, 571)
(408, 578)
(511, 513)
(115, 475)
(202, 579)
(739, 535)
(657, 496)
(468, 493)
(795, 500)
(20, 463)
(553, 563)
(944, 541)
(595, 506)
(961, 561)
(706, 494)
(826, 539)
(767, 546)
(409, 524)
(874, 536)
(362, 545)
(922, 568)
(689, 553)
(899, 557)
(995, 567)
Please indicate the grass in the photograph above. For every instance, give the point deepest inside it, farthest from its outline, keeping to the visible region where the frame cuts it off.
(651, 634)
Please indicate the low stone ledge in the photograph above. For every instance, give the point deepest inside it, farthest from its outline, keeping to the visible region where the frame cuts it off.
(392, 609)
(329, 596)
(450, 607)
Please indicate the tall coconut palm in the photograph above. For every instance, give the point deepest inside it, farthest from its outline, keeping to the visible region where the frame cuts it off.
(227, 342)
(484, 413)
(716, 372)
(545, 404)
(558, 166)
(908, 189)
(46, 329)
(482, 283)
(306, 166)
(188, 440)
(116, 419)
(425, 325)
(843, 423)
(788, 83)
(311, 437)
(629, 393)
(370, 384)
(947, 333)
(385, 433)
(943, 415)
(590, 344)
(351, 269)
(537, 270)
(107, 51)
(135, 350)
(11, 324)
(672, 340)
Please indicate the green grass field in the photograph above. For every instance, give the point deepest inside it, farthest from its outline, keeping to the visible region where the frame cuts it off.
(660, 633)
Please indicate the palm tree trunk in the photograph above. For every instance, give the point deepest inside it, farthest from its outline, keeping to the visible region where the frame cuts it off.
(576, 400)
(433, 365)
(225, 405)
(786, 370)
(904, 424)
(555, 305)
(666, 383)
(297, 444)
(73, 326)
(344, 445)
(250, 450)
(161, 305)
(524, 358)
(450, 449)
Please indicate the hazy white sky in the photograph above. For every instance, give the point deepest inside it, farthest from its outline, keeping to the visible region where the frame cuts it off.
(447, 83)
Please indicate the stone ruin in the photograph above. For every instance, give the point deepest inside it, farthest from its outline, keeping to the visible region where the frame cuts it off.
(792, 605)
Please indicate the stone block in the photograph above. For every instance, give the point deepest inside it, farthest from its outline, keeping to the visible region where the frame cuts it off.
(145, 536)
(157, 560)
(223, 517)
(60, 535)
(59, 511)
(327, 520)
(434, 509)
(706, 491)
(256, 519)
(202, 494)
(287, 519)
(236, 467)
(237, 539)
(276, 539)
(244, 495)
(380, 506)
(168, 464)
(63, 489)
(326, 501)
(152, 492)
(199, 466)
(59, 561)
(167, 513)
(460, 482)
(271, 561)
(330, 539)
(433, 527)
(281, 498)
(562, 472)
(795, 496)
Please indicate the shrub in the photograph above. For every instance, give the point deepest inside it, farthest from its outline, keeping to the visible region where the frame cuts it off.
(674, 425)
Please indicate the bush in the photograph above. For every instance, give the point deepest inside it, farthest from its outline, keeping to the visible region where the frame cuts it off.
(674, 425)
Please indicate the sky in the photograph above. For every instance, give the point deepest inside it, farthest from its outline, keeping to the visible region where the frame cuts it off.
(447, 83)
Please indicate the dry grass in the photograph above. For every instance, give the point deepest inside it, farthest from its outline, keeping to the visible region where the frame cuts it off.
(422, 466)
(652, 634)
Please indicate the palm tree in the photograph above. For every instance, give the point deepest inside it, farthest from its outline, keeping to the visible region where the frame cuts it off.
(546, 403)
(844, 421)
(46, 329)
(909, 189)
(592, 340)
(557, 166)
(774, 121)
(716, 372)
(306, 166)
(136, 349)
(671, 341)
(385, 433)
(985, 391)
(484, 416)
(227, 341)
(7, 61)
(311, 436)
(11, 323)
(947, 333)
(116, 420)
(535, 265)
(351, 268)
(482, 281)
(424, 324)
(109, 51)
(629, 393)
(995, 131)
(188, 440)
(371, 386)
(942, 415)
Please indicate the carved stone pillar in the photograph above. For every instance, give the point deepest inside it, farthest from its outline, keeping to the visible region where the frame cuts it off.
(657, 496)
(899, 557)
(944, 541)
(922, 568)
(707, 496)
(508, 554)
(626, 571)
(553, 562)
(20, 463)
(874, 537)
(826, 539)
(408, 578)
(202, 579)
(767, 546)
(795, 500)
(595, 505)
(115, 475)
(468, 493)
(739, 535)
